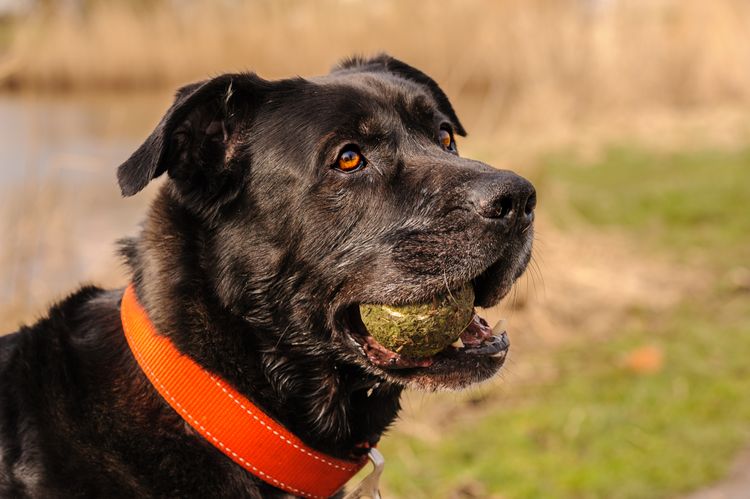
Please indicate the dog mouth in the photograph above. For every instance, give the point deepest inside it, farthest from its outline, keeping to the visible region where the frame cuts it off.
(476, 340)
(433, 338)
(455, 350)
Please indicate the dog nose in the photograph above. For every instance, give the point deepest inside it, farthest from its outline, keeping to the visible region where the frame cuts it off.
(504, 196)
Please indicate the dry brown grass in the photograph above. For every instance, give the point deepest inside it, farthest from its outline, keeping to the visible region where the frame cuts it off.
(527, 58)
(55, 238)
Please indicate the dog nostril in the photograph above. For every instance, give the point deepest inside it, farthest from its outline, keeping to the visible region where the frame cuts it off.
(530, 204)
(506, 207)
(501, 208)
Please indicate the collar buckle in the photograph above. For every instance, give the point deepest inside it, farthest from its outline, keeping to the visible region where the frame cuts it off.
(369, 486)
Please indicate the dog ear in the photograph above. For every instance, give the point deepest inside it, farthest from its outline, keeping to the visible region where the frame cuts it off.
(193, 140)
(384, 62)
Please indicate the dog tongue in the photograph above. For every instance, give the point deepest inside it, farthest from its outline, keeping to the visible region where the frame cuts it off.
(477, 332)
(381, 356)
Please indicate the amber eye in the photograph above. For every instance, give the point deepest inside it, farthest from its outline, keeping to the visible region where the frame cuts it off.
(446, 140)
(350, 159)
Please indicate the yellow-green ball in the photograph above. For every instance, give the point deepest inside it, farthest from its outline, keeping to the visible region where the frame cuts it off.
(423, 329)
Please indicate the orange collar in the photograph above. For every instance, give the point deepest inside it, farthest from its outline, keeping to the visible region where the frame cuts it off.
(228, 420)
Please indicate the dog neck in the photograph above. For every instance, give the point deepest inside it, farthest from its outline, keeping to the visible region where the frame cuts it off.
(261, 352)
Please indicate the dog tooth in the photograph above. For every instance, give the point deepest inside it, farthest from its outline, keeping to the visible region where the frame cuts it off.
(499, 328)
(458, 343)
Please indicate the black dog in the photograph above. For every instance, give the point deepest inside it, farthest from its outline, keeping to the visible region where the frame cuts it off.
(288, 203)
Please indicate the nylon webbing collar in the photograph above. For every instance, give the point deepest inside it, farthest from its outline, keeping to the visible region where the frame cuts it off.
(228, 420)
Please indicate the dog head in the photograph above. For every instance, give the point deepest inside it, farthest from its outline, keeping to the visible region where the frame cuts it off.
(317, 195)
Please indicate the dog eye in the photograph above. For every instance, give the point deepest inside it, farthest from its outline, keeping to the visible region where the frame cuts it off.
(446, 140)
(350, 159)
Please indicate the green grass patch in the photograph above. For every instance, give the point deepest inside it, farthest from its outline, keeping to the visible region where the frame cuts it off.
(7, 27)
(601, 429)
(692, 203)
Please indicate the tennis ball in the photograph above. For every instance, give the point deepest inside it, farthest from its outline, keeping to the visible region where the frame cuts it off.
(422, 329)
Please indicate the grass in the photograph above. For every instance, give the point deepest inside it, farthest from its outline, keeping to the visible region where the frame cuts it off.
(6, 34)
(688, 202)
(601, 427)
(602, 430)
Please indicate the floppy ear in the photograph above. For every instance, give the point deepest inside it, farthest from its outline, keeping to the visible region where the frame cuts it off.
(384, 62)
(193, 140)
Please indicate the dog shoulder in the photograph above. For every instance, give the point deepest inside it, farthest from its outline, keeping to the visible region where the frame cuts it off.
(34, 364)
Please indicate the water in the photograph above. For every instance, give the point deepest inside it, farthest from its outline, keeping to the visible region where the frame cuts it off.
(73, 139)
(60, 207)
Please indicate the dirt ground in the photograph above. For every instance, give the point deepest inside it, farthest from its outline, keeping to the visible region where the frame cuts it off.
(735, 486)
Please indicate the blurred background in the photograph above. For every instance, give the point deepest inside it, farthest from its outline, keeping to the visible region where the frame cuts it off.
(629, 374)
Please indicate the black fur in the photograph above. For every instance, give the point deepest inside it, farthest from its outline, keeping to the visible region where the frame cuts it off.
(250, 260)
